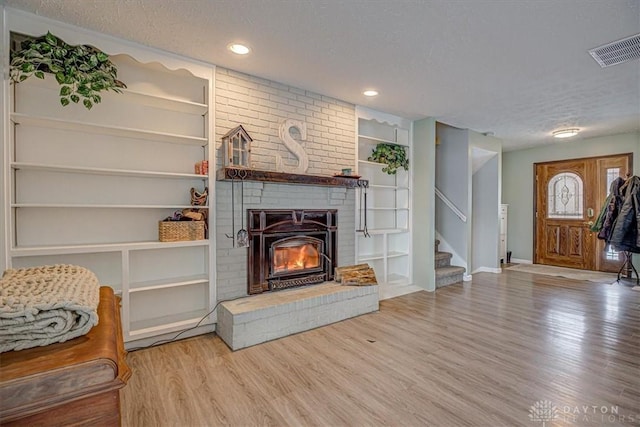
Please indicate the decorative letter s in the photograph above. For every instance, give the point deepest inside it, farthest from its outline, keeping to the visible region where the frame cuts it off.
(293, 146)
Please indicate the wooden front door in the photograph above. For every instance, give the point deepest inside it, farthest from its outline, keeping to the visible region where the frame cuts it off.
(569, 197)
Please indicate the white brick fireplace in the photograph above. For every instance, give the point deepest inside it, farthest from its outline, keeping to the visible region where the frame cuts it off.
(260, 106)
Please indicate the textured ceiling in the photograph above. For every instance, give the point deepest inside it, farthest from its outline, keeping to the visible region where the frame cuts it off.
(517, 68)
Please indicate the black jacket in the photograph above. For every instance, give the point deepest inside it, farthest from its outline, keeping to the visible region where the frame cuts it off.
(610, 210)
(625, 234)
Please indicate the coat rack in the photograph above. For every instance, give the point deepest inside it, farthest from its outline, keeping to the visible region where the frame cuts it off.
(628, 266)
(615, 224)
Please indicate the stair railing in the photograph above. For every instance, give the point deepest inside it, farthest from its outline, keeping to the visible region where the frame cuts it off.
(450, 205)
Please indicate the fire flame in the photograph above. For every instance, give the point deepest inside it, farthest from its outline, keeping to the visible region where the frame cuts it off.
(296, 258)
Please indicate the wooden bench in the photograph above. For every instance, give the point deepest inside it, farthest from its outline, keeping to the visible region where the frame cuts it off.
(71, 383)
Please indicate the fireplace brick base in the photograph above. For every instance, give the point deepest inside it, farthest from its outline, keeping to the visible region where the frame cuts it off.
(253, 320)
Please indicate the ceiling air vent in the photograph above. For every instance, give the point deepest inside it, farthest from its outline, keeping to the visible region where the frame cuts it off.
(617, 52)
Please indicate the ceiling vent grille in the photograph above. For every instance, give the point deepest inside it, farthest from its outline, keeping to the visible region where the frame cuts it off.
(617, 52)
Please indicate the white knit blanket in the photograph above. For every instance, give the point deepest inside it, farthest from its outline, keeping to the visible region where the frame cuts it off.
(46, 305)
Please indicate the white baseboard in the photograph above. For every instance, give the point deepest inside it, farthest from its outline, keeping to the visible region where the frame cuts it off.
(146, 342)
(521, 261)
(466, 277)
(487, 270)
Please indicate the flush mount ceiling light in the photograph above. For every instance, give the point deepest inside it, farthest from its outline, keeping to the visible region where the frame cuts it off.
(370, 92)
(239, 49)
(565, 133)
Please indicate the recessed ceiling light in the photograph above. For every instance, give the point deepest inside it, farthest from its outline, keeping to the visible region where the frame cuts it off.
(239, 49)
(370, 93)
(565, 133)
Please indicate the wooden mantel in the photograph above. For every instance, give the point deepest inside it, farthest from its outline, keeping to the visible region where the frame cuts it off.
(228, 174)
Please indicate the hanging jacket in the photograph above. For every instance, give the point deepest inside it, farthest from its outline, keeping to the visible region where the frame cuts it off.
(625, 233)
(610, 210)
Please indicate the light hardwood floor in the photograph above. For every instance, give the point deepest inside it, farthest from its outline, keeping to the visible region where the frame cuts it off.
(479, 354)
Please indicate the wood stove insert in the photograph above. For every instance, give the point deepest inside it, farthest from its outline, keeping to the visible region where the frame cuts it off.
(290, 247)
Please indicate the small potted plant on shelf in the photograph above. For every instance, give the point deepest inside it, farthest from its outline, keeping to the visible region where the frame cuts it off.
(81, 70)
(392, 155)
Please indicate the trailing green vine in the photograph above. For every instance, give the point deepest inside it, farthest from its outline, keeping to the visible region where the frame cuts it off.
(81, 70)
(392, 155)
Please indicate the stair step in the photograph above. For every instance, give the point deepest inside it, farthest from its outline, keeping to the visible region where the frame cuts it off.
(449, 275)
(443, 259)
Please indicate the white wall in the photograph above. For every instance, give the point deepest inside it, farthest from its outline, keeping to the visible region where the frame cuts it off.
(423, 226)
(517, 178)
(485, 205)
(485, 221)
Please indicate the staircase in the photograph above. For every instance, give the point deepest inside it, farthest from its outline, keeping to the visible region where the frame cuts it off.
(446, 274)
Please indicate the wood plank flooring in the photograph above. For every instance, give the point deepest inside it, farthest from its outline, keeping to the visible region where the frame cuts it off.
(478, 354)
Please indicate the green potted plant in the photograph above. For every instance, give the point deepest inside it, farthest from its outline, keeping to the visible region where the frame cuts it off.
(392, 155)
(81, 70)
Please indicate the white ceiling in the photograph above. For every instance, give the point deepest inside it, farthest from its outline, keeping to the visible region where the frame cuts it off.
(517, 68)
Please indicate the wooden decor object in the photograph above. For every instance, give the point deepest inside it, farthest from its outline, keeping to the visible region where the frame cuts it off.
(349, 268)
(237, 148)
(76, 382)
(360, 278)
(230, 173)
(356, 275)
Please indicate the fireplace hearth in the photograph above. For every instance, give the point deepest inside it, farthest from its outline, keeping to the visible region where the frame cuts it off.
(290, 248)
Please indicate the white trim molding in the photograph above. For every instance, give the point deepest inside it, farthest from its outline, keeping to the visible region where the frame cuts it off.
(521, 261)
(487, 270)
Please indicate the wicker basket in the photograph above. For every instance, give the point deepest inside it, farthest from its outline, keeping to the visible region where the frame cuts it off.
(177, 231)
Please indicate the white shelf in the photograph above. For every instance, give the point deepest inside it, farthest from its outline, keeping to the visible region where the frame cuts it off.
(367, 162)
(387, 209)
(396, 254)
(380, 140)
(388, 187)
(370, 257)
(153, 285)
(105, 171)
(99, 248)
(378, 256)
(134, 96)
(156, 326)
(166, 102)
(387, 230)
(397, 279)
(97, 206)
(48, 122)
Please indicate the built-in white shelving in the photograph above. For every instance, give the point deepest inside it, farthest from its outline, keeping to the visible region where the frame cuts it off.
(163, 324)
(388, 247)
(165, 102)
(89, 187)
(138, 97)
(97, 248)
(381, 231)
(95, 128)
(105, 171)
(153, 285)
(96, 206)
